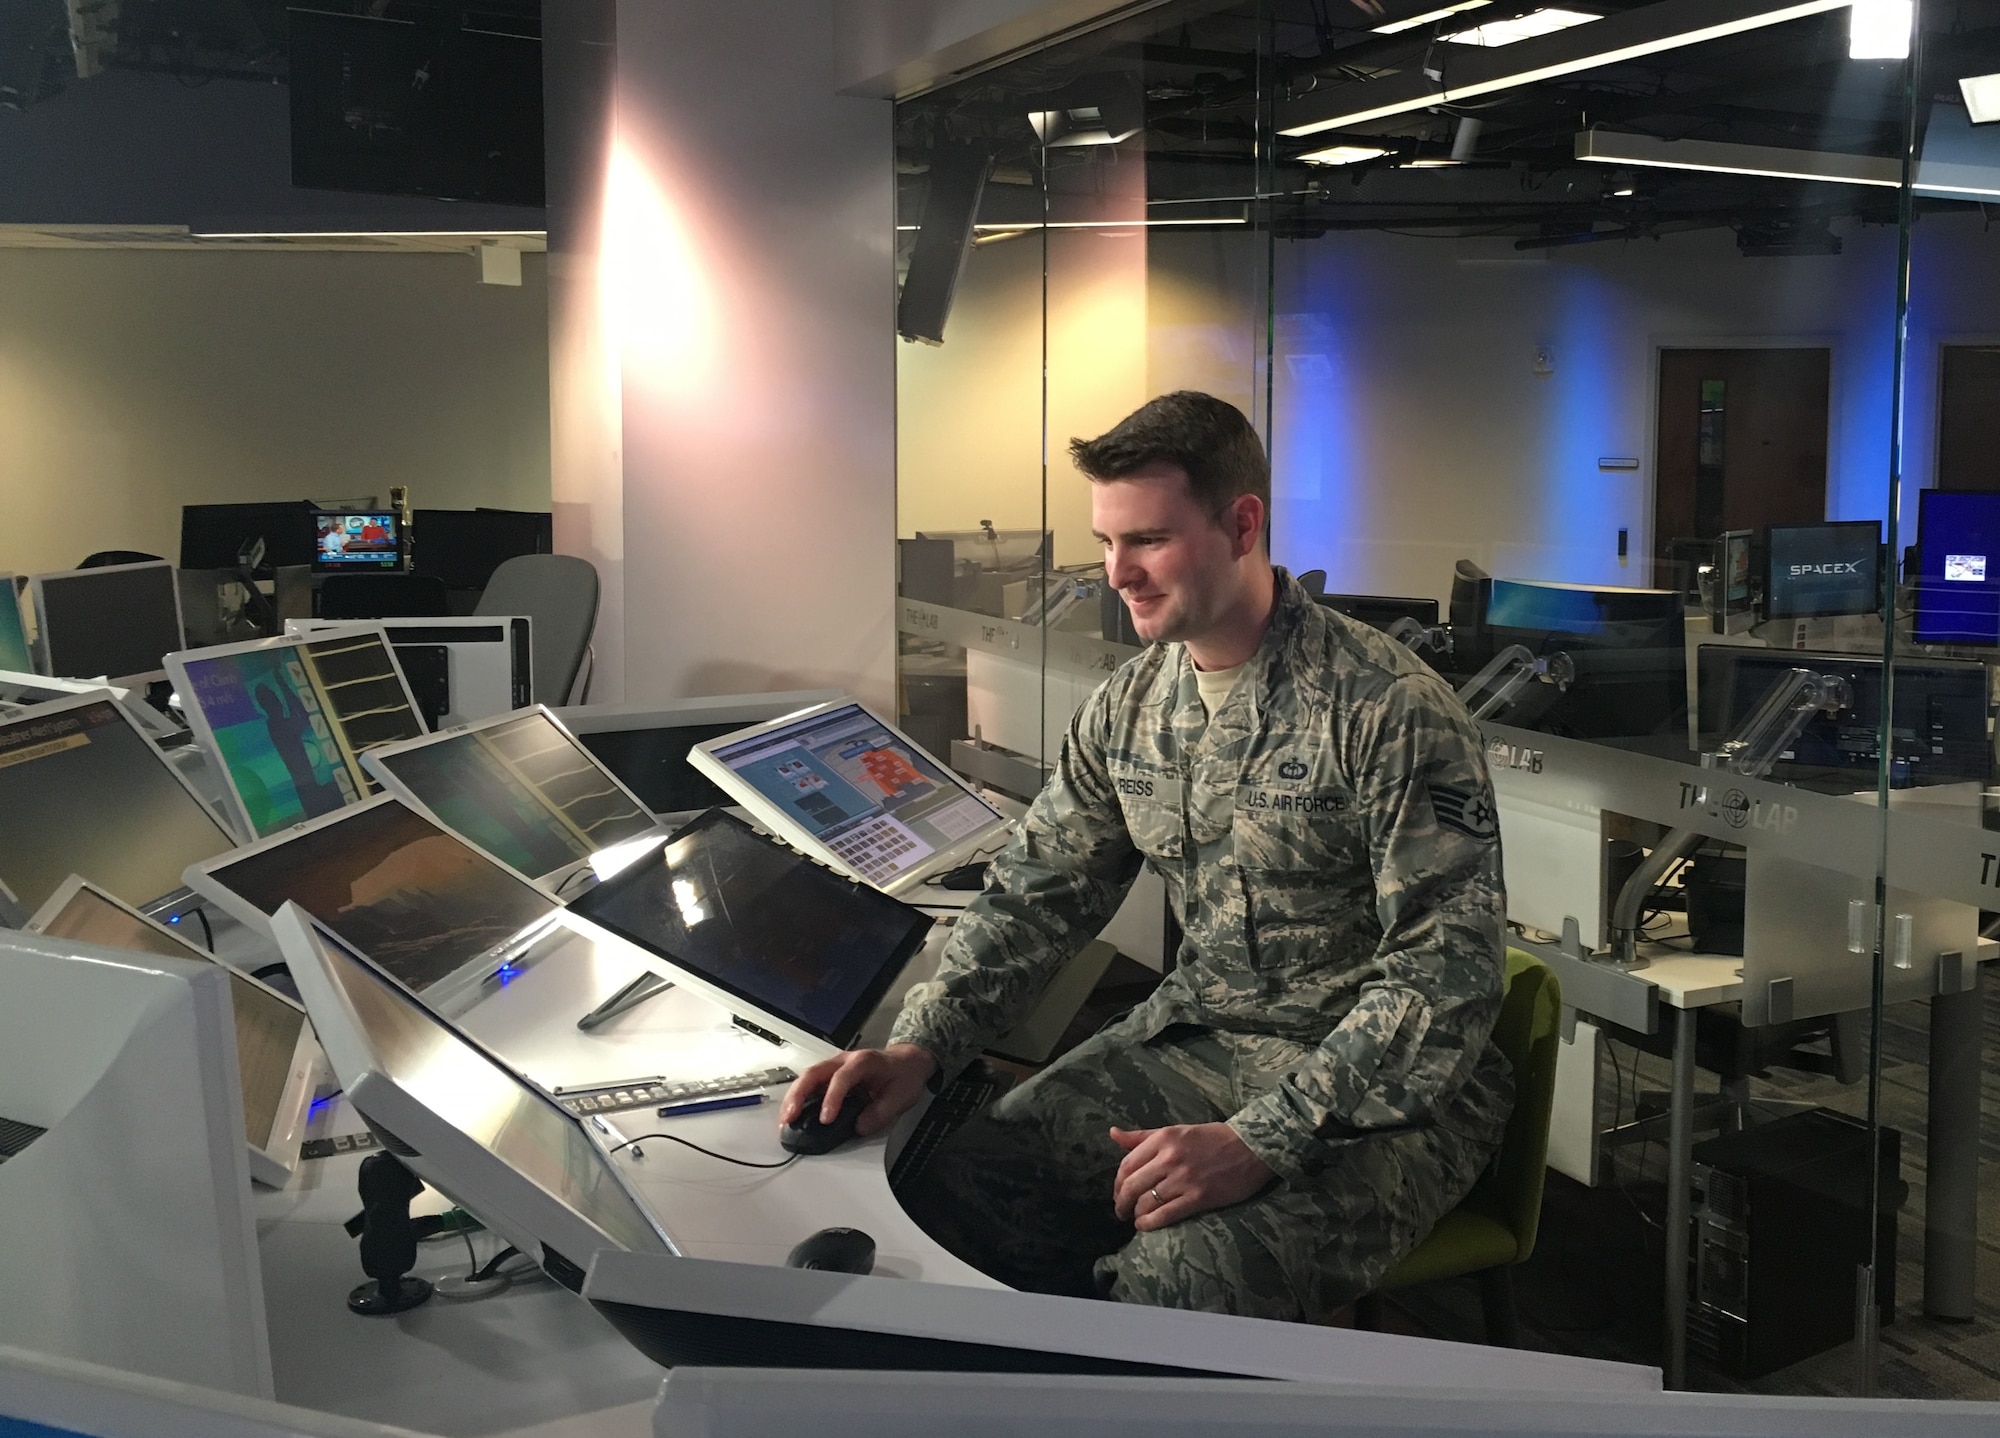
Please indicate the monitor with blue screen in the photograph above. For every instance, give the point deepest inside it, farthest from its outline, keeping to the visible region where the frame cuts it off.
(1958, 567)
(14, 654)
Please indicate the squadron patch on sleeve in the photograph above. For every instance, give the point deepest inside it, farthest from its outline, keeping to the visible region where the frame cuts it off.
(1466, 810)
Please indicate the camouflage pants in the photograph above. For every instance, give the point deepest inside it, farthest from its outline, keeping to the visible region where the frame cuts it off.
(1022, 1191)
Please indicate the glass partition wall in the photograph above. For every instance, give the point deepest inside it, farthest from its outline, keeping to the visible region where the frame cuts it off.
(1635, 366)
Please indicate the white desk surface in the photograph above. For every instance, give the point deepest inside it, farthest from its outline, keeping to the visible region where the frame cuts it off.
(1694, 981)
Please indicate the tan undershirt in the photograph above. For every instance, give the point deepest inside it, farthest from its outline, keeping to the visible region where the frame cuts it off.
(1215, 685)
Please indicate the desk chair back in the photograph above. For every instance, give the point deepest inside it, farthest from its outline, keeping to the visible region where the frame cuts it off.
(1529, 1032)
(381, 596)
(558, 593)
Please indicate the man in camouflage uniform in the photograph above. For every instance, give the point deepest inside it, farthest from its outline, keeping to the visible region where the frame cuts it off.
(1313, 1086)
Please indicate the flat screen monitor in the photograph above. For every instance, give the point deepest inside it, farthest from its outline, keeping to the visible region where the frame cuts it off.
(287, 720)
(213, 535)
(15, 656)
(1732, 602)
(83, 791)
(1628, 647)
(1817, 570)
(1939, 731)
(1379, 611)
(851, 789)
(1958, 567)
(521, 788)
(461, 1119)
(647, 745)
(424, 905)
(760, 924)
(276, 1058)
(997, 549)
(116, 623)
(464, 546)
(349, 541)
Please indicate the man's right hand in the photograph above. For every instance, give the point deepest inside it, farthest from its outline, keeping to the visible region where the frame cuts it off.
(893, 1078)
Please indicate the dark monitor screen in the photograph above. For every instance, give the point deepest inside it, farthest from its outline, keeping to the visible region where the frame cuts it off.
(213, 534)
(653, 763)
(1939, 729)
(764, 923)
(1823, 569)
(118, 622)
(84, 792)
(464, 546)
(1381, 610)
(523, 791)
(1628, 647)
(347, 540)
(1958, 567)
(394, 885)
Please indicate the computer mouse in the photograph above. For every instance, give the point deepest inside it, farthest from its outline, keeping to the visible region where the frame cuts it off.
(806, 1134)
(834, 1250)
(965, 876)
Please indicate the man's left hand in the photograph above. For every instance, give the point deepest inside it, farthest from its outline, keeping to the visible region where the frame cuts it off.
(1177, 1172)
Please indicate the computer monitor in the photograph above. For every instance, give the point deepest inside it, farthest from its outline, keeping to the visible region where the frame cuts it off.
(461, 1119)
(1379, 611)
(1731, 604)
(849, 788)
(15, 656)
(276, 1057)
(646, 745)
(459, 669)
(1818, 570)
(114, 623)
(356, 541)
(1939, 729)
(1958, 567)
(1628, 647)
(428, 907)
(287, 720)
(768, 933)
(464, 546)
(213, 535)
(520, 787)
(84, 791)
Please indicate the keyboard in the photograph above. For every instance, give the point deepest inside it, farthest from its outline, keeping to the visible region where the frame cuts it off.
(963, 1097)
(581, 1101)
(879, 850)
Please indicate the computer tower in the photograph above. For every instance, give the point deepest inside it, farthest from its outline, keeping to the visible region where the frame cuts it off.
(1780, 1216)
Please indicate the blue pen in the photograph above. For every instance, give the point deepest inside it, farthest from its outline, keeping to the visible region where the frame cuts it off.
(708, 1105)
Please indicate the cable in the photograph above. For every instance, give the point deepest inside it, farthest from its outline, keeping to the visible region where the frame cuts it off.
(491, 1269)
(673, 1138)
(584, 872)
(208, 934)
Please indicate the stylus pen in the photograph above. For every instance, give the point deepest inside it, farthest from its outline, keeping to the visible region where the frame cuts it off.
(708, 1105)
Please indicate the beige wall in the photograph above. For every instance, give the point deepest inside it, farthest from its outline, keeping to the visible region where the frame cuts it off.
(135, 381)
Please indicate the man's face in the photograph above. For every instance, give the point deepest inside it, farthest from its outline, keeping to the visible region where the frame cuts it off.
(1175, 564)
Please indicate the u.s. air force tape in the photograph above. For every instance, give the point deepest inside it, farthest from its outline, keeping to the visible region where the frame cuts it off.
(1466, 810)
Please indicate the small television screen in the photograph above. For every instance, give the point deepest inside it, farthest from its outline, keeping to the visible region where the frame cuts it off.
(356, 539)
(1816, 570)
(1958, 567)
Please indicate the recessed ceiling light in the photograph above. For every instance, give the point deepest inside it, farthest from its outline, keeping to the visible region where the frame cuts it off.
(1395, 27)
(1344, 154)
(1982, 97)
(1496, 33)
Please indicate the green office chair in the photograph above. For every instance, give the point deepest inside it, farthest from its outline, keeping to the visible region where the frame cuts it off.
(1494, 1228)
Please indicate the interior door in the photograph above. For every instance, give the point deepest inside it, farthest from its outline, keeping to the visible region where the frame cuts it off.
(1969, 417)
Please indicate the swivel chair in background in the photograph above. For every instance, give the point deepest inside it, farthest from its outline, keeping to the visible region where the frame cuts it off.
(382, 596)
(558, 593)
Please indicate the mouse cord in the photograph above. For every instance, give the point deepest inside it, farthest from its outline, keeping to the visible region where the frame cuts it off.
(684, 1143)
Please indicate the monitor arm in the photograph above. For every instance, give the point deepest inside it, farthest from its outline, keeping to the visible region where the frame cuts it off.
(1514, 669)
(1418, 637)
(1791, 703)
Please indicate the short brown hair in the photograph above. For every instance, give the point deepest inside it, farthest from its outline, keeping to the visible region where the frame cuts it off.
(1210, 439)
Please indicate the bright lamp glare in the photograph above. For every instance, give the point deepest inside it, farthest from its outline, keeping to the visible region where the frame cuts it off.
(1396, 27)
(1521, 27)
(1879, 29)
(1982, 97)
(1343, 155)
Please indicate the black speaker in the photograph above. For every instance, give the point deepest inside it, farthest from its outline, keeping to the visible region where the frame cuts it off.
(958, 178)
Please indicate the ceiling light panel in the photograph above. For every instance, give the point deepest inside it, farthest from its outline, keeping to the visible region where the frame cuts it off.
(1880, 29)
(1521, 27)
(1344, 155)
(1396, 27)
(1982, 97)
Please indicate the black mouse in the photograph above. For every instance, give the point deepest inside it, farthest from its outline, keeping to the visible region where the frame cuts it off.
(806, 1134)
(965, 876)
(834, 1250)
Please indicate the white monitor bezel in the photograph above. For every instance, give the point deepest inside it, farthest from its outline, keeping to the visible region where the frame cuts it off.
(275, 1155)
(517, 641)
(204, 878)
(110, 696)
(41, 644)
(775, 819)
(197, 719)
(556, 882)
(506, 1200)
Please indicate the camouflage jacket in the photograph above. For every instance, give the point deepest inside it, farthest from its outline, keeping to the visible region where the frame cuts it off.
(1330, 844)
